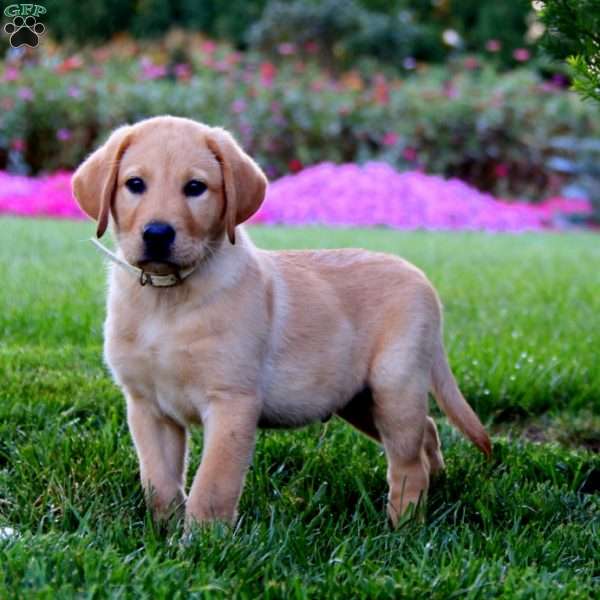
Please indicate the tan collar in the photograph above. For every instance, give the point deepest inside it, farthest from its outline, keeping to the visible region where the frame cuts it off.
(144, 277)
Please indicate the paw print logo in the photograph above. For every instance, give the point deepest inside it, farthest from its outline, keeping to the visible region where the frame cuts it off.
(24, 31)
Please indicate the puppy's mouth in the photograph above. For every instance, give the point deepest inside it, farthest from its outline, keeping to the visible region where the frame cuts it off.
(159, 267)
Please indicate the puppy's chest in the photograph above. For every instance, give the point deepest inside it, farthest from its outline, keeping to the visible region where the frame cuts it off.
(156, 362)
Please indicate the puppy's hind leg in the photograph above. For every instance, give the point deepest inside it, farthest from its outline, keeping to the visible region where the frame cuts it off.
(400, 415)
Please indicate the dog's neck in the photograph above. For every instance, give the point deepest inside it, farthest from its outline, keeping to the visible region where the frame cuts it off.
(218, 271)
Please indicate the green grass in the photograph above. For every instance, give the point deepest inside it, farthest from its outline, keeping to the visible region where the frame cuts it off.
(522, 331)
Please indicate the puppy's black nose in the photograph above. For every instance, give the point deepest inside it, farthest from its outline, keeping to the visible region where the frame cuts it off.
(158, 238)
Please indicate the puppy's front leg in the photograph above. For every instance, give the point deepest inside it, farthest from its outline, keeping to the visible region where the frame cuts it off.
(161, 447)
(230, 424)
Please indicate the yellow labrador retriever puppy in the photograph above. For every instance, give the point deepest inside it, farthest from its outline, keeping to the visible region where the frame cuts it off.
(203, 327)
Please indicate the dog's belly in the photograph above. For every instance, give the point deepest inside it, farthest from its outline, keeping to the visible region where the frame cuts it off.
(298, 396)
(295, 411)
(307, 379)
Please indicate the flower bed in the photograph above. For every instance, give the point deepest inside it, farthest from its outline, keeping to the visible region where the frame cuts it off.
(494, 130)
(338, 195)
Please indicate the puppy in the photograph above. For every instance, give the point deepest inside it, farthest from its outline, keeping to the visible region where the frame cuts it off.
(204, 328)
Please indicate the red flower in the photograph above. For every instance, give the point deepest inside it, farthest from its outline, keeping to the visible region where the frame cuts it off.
(286, 49)
(267, 73)
(381, 90)
(409, 154)
(471, 63)
(311, 47)
(70, 64)
(501, 170)
(11, 74)
(18, 144)
(295, 165)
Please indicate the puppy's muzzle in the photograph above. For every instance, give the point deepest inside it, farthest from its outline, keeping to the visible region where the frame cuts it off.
(158, 239)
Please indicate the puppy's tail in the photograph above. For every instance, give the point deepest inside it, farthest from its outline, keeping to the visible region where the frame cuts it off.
(452, 402)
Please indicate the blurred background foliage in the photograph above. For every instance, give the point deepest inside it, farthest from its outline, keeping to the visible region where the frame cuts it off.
(388, 30)
(456, 88)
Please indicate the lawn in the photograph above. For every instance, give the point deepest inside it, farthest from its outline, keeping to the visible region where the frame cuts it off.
(522, 331)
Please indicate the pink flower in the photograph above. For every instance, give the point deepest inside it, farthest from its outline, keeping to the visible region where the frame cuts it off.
(286, 49)
(390, 138)
(63, 134)
(74, 92)
(450, 90)
(222, 66)
(18, 144)
(26, 94)
(182, 71)
(151, 70)
(521, 54)
(208, 46)
(493, 45)
(238, 105)
(11, 74)
(337, 195)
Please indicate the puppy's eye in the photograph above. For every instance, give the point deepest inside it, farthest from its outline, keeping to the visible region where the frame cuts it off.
(135, 185)
(194, 188)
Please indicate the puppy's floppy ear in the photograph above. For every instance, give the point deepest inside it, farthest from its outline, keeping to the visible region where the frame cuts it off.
(244, 183)
(95, 181)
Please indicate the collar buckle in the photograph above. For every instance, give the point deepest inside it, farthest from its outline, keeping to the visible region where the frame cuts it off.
(145, 278)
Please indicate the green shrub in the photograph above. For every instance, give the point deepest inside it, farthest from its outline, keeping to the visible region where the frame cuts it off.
(338, 31)
(494, 130)
(87, 21)
(347, 30)
(573, 32)
(391, 32)
(477, 22)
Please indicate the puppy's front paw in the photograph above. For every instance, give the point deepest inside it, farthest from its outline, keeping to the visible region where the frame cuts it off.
(194, 532)
(164, 507)
(200, 516)
(400, 512)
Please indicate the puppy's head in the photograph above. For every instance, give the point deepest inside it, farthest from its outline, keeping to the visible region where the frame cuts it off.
(174, 188)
